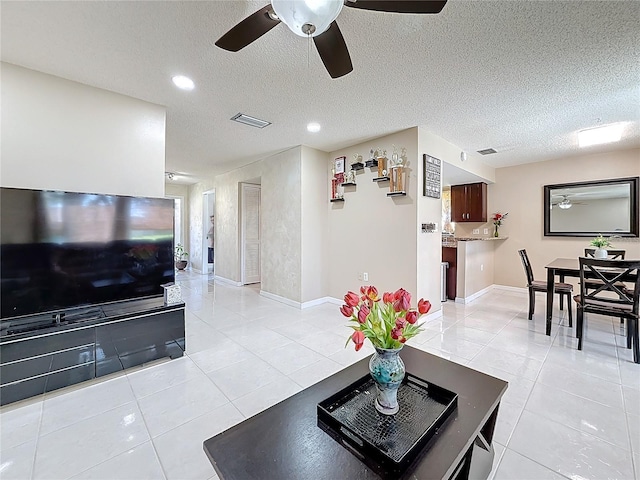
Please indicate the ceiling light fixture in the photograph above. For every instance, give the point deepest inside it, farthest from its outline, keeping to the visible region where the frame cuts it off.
(600, 135)
(251, 121)
(487, 151)
(308, 17)
(565, 203)
(182, 82)
(313, 127)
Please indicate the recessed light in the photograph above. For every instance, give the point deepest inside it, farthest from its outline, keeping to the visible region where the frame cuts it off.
(182, 82)
(600, 135)
(313, 127)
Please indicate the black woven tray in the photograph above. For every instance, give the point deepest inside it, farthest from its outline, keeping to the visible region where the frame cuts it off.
(387, 443)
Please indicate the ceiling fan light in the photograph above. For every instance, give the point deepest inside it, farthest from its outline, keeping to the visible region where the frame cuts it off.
(565, 204)
(298, 13)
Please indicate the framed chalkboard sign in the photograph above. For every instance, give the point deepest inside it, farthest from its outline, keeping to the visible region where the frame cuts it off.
(432, 168)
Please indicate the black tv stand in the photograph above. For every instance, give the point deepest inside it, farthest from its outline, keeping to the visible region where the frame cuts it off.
(41, 353)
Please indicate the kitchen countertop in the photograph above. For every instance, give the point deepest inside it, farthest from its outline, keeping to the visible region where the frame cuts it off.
(453, 243)
(469, 239)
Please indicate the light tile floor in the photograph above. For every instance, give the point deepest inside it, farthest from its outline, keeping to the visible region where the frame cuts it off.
(566, 414)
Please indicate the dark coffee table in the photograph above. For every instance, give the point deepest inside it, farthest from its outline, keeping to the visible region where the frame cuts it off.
(285, 442)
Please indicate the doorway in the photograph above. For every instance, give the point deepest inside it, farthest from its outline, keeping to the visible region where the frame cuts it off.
(208, 231)
(250, 233)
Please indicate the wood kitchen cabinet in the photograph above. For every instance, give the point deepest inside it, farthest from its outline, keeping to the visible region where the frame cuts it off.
(469, 202)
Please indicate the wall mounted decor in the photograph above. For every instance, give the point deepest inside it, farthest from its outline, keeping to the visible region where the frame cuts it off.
(339, 165)
(586, 209)
(432, 168)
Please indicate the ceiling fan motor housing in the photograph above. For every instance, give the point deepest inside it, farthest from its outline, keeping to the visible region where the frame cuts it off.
(307, 17)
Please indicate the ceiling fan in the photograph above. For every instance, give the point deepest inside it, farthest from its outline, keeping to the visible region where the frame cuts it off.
(566, 203)
(317, 19)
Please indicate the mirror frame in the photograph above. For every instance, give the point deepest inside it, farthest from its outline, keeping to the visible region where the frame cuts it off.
(633, 214)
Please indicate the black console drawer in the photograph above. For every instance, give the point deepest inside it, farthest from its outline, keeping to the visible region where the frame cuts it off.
(31, 347)
(47, 363)
(36, 364)
(45, 383)
(134, 342)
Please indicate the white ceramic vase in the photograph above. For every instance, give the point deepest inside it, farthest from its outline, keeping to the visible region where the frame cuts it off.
(600, 253)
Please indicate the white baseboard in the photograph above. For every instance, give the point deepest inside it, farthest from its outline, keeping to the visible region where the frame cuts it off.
(472, 297)
(227, 281)
(430, 316)
(509, 288)
(335, 301)
(319, 301)
(303, 305)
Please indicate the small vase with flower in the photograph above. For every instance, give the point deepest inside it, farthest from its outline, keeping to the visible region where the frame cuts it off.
(497, 221)
(387, 322)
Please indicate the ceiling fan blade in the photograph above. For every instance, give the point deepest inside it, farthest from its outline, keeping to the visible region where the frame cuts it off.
(248, 30)
(398, 6)
(333, 51)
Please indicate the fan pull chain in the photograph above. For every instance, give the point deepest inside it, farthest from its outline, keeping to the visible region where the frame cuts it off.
(308, 50)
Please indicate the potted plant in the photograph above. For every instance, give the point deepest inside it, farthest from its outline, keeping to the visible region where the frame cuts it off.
(180, 257)
(601, 245)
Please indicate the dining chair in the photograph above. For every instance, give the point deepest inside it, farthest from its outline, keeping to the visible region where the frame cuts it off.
(613, 297)
(611, 254)
(562, 289)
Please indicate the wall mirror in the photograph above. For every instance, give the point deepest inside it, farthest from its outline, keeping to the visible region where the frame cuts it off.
(585, 209)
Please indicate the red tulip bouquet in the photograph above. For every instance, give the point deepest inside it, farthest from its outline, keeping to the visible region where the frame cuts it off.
(388, 322)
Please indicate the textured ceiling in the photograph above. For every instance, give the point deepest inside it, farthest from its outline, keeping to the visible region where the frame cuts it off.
(519, 76)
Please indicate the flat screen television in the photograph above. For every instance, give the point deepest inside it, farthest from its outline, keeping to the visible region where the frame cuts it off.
(60, 250)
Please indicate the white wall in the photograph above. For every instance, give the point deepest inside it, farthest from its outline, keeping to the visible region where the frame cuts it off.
(315, 258)
(519, 190)
(281, 238)
(475, 267)
(370, 232)
(62, 135)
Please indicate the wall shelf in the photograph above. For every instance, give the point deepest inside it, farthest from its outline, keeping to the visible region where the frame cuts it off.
(337, 200)
(381, 179)
(357, 166)
(348, 184)
(397, 194)
(371, 163)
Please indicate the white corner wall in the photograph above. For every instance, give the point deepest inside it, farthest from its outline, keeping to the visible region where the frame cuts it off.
(315, 253)
(281, 239)
(63, 135)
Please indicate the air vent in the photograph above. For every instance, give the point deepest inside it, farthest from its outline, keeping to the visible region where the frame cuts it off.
(247, 120)
(487, 151)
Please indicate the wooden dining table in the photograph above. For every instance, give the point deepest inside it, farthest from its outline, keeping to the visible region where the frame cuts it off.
(564, 267)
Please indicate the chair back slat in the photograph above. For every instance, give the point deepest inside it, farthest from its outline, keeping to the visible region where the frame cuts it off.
(611, 254)
(527, 266)
(610, 274)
